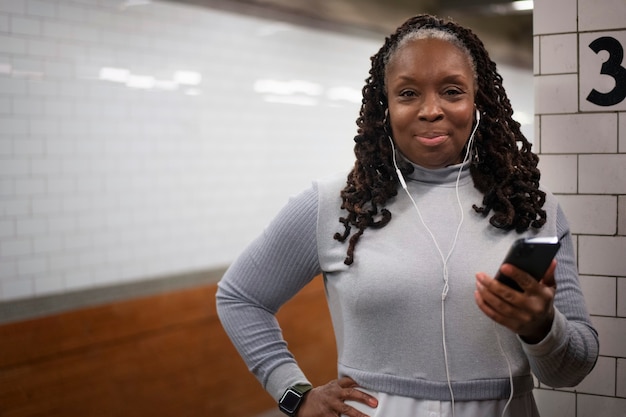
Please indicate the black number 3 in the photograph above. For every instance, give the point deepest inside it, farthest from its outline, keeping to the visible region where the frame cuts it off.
(613, 68)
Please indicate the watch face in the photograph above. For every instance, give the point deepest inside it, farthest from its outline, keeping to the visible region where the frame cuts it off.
(290, 401)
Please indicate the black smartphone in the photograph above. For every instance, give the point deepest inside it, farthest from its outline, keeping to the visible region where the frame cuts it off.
(533, 255)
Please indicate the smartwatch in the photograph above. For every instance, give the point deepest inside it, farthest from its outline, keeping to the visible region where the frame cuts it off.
(292, 399)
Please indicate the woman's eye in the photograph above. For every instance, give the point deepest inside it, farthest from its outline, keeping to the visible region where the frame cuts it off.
(452, 92)
(407, 93)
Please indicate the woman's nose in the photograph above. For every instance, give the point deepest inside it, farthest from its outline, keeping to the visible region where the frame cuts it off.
(430, 109)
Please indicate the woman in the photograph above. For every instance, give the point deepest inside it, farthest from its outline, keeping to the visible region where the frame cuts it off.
(444, 182)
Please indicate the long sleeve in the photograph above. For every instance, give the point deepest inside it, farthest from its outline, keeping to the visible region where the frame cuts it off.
(569, 352)
(269, 272)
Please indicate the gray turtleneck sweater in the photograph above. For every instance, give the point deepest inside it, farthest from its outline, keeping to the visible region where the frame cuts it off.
(386, 308)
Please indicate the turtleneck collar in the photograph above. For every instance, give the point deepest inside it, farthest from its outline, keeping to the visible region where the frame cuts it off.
(440, 176)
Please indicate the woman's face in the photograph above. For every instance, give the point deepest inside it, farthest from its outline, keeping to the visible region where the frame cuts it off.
(430, 89)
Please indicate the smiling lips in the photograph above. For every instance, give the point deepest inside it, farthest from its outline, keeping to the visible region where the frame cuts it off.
(432, 139)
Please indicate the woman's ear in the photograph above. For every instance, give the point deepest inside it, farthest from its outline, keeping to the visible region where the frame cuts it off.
(386, 122)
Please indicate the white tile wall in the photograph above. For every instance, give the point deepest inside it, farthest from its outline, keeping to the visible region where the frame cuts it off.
(554, 16)
(19, 288)
(559, 173)
(610, 16)
(611, 331)
(103, 183)
(580, 208)
(536, 52)
(579, 133)
(621, 378)
(602, 174)
(595, 406)
(621, 297)
(602, 255)
(621, 215)
(592, 138)
(558, 53)
(555, 403)
(600, 294)
(601, 381)
(556, 93)
(622, 131)
(537, 136)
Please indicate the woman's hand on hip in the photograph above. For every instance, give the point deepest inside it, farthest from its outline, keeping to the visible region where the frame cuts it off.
(530, 313)
(329, 400)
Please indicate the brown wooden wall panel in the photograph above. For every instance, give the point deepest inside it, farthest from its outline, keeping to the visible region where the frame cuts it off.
(164, 355)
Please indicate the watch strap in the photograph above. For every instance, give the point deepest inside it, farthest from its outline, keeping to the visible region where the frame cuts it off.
(303, 388)
(292, 399)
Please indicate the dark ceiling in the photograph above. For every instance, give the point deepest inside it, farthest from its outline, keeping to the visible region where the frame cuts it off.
(506, 33)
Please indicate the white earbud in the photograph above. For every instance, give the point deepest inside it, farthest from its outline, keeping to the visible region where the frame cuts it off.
(395, 163)
(471, 138)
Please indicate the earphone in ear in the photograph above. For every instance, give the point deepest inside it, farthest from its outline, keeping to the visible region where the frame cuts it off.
(395, 164)
(470, 141)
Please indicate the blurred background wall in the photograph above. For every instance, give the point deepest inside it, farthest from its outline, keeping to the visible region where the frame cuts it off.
(141, 140)
(148, 139)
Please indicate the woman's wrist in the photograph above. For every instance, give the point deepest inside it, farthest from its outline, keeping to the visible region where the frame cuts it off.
(541, 332)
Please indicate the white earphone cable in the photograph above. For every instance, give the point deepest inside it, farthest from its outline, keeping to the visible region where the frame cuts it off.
(508, 364)
(445, 259)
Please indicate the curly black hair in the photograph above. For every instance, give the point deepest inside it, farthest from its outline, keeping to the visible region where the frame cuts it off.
(503, 167)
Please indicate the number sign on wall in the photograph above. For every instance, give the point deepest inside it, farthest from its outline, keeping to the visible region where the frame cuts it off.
(602, 71)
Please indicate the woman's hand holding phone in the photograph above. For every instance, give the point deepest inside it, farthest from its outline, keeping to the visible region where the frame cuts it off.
(528, 309)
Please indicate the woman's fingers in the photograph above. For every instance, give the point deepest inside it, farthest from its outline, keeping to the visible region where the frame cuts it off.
(330, 400)
(355, 394)
(529, 314)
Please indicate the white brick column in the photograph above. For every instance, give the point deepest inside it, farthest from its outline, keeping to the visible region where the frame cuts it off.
(580, 104)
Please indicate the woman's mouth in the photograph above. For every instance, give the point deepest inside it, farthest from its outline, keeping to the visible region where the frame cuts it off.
(432, 139)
